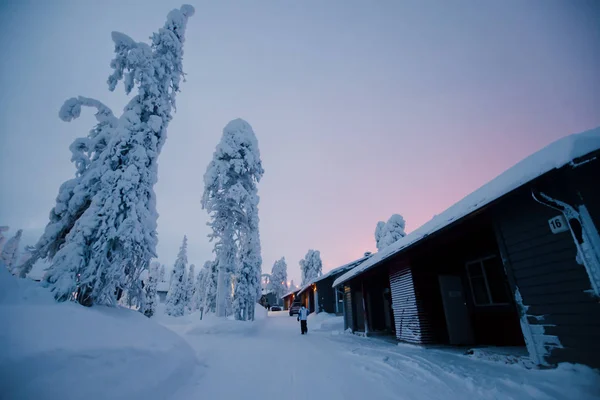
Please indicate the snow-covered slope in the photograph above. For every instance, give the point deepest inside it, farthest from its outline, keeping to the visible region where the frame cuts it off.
(65, 351)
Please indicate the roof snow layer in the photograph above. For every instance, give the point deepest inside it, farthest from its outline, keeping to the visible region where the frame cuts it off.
(553, 156)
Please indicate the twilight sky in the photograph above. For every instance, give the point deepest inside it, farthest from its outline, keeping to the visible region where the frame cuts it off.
(362, 109)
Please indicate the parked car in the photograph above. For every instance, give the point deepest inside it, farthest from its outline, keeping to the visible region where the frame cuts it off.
(295, 308)
(275, 308)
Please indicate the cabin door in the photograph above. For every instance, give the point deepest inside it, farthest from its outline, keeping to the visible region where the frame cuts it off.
(458, 320)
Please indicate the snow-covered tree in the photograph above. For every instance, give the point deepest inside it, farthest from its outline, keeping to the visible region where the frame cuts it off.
(161, 273)
(2, 237)
(311, 266)
(231, 199)
(176, 298)
(10, 251)
(278, 281)
(74, 196)
(389, 232)
(150, 288)
(190, 288)
(113, 240)
(210, 293)
(292, 287)
(200, 287)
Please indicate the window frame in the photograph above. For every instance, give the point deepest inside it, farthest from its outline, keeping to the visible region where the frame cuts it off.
(480, 263)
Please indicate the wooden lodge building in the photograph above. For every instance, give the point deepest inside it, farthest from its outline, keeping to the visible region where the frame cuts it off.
(318, 295)
(517, 262)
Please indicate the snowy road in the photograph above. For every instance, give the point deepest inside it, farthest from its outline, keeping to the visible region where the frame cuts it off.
(272, 360)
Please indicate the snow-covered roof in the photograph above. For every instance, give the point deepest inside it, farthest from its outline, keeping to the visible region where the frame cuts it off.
(162, 287)
(289, 293)
(553, 156)
(334, 271)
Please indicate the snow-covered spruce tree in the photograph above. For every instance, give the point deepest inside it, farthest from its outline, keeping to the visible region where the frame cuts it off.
(231, 199)
(210, 284)
(247, 280)
(292, 287)
(389, 232)
(200, 288)
(2, 237)
(176, 298)
(190, 288)
(311, 266)
(10, 252)
(150, 289)
(278, 281)
(74, 196)
(112, 242)
(161, 273)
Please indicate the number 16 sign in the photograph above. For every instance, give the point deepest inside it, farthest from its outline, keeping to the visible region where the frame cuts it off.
(558, 224)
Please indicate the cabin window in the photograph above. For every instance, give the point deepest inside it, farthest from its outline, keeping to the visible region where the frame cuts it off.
(488, 282)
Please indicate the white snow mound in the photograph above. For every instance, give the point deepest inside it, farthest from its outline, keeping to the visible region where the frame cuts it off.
(65, 351)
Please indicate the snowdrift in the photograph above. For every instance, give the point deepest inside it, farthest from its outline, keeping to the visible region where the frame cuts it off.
(191, 324)
(326, 322)
(66, 351)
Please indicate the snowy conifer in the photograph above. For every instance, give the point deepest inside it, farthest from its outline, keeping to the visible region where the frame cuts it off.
(210, 283)
(150, 288)
(278, 281)
(190, 288)
(112, 242)
(176, 298)
(200, 288)
(2, 237)
(161, 274)
(231, 199)
(10, 252)
(74, 195)
(311, 266)
(292, 287)
(389, 232)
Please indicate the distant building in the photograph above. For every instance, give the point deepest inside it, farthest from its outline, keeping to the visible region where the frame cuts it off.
(318, 295)
(162, 289)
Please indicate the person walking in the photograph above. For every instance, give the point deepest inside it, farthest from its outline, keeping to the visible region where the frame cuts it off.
(302, 317)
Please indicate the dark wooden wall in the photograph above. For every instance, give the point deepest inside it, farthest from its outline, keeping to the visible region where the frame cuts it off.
(555, 288)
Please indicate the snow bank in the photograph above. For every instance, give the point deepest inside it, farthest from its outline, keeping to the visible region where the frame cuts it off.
(191, 324)
(65, 351)
(326, 322)
(556, 155)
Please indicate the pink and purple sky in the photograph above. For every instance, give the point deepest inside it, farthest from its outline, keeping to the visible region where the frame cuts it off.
(362, 109)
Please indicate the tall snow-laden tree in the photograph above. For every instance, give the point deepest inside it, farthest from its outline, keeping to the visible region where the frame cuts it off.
(231, 199)
(176, 298)
(389, 232)
(278, 281)
(74, 196)
(311, 266)
(200, 287)
(2, 237)
(113, 240)
(161, 273)
(150, 289)
(210, 294)
(292, 287)
(10, 251)
(190, 288)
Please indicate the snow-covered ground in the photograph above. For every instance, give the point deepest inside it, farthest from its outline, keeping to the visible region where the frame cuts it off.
(65, 351)
(270, 359)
